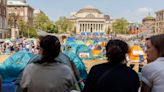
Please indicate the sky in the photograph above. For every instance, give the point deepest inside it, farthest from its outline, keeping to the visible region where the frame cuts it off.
(132, 10)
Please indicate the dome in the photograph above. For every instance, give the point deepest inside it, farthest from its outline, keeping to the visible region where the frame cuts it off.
(148, 18)
(89, 9)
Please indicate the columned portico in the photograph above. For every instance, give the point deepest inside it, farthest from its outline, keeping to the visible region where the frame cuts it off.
(91, 26)
(90, 19)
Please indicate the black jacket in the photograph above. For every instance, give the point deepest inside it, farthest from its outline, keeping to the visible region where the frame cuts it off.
(120, 79)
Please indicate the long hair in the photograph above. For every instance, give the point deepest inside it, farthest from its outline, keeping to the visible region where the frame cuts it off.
(51, 48)
(116, 51)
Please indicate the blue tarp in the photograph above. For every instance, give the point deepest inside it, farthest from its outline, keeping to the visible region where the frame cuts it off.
(12, 67)
(78, 64)
(71, 44)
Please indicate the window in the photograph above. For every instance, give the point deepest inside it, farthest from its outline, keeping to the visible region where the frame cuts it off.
(0, 22)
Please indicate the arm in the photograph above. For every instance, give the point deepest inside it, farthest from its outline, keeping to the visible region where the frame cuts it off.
(145, 88)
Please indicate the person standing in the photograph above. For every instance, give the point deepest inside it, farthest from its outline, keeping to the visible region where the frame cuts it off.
(113, 76)
(153, 72)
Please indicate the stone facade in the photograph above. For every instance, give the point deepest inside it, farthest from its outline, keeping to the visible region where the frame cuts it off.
(3, 19)
(90, 19)
(149, 23)
(159, 25)
(21, 10)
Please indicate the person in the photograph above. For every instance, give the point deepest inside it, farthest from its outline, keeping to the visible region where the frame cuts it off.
(48, 75)
(113, 76)
(153, 72)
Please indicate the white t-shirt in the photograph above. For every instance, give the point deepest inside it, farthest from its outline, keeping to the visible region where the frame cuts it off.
(153, 75)
(54, 77)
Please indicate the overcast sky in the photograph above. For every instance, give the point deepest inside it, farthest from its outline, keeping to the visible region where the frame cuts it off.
(132, 10)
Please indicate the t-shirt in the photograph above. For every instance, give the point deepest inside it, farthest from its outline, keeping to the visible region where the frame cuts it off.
(153, 75)
(53, 77)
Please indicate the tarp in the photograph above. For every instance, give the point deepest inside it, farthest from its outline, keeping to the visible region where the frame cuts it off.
(11, 67)
(84, 52)
(136, 54)
(78, 64)
(71, 44)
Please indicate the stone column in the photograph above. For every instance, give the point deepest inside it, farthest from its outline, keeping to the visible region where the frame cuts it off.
(86, 26)
(83, 27)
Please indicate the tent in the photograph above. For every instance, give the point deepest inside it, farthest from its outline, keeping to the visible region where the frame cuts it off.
(136, 54)
(97, 51)
(80, 66)
(89, 42)
(71, 39)
(12, 67)
(95, 33)
(101, 33)
(71, 44)
(84, 52)
(88, 33)
(79, 42)
(82, 33)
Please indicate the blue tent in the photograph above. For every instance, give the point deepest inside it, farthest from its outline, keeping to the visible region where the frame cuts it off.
(82, 33)
(78, 64)
(88, 33)
(95, 33)
(101, 33)
(71, 44)
(84, 52)
(71, 39)
(12, 67)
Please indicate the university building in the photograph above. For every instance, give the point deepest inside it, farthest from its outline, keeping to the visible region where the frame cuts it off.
(19, 10)
(3, 19)
(90, 19)
(159, 25)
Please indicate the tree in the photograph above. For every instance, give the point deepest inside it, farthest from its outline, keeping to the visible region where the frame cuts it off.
(120, 26)
(64, 25)
(22, 26)
(32, 32)
(42, 22)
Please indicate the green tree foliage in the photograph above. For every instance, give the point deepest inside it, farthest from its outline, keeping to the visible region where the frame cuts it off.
(22, 26)
(42, 22)
(64, 25)
(17, 21)
(52, 29)
(31, 32)
(120, 26)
